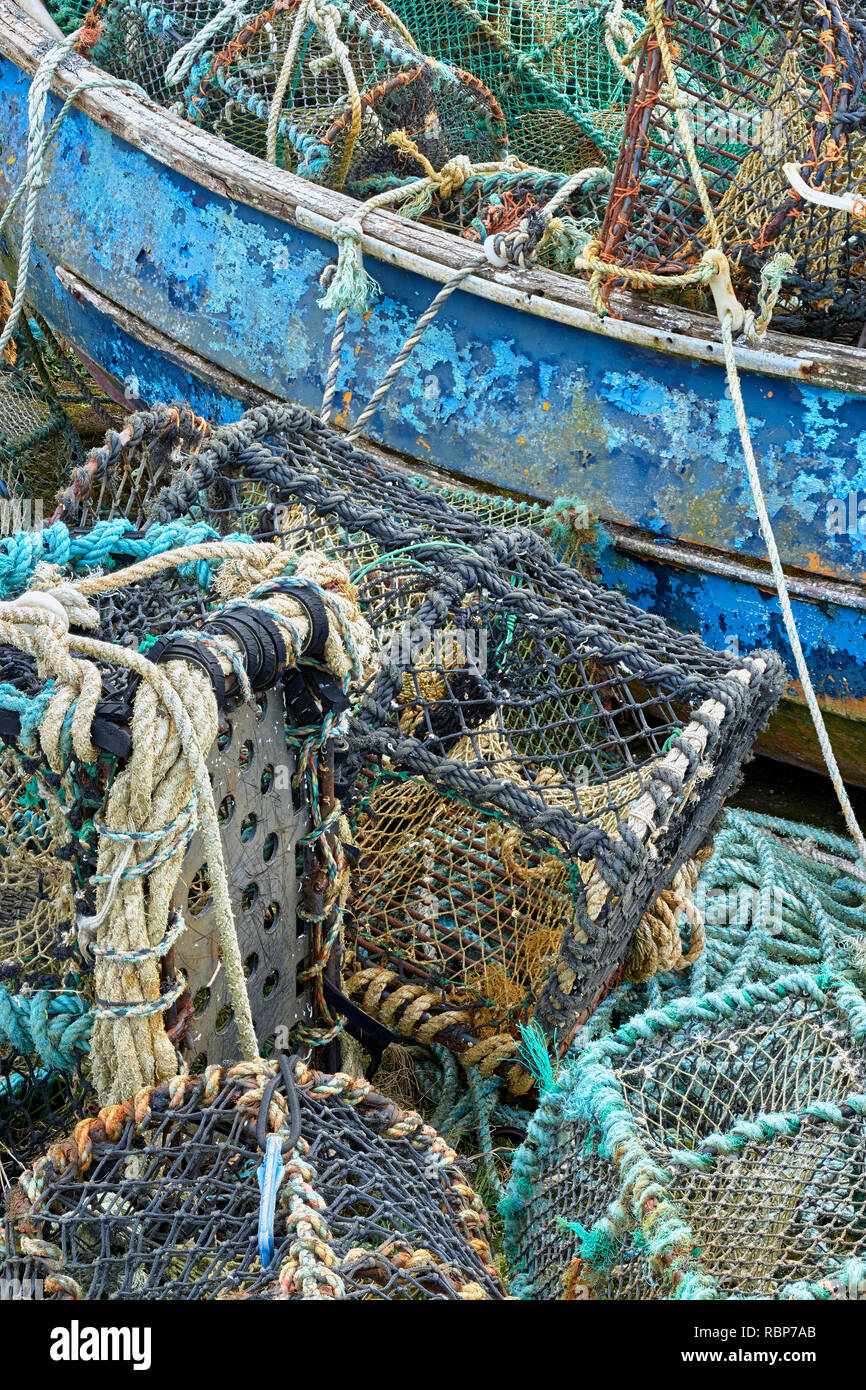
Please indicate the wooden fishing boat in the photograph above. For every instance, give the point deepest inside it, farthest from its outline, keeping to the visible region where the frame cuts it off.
(181, 268)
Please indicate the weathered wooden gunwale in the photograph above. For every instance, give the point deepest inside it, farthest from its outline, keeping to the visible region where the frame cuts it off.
(233, 174)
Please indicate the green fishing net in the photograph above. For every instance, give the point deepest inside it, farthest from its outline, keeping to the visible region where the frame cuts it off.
(317, 89)
(48, 406)
(550, 63)
(715, 1148)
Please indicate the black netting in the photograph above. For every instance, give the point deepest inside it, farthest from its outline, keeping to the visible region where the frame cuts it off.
(159, 1199)
(516, 730)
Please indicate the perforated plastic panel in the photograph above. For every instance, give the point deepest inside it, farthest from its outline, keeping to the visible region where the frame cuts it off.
(252, 773)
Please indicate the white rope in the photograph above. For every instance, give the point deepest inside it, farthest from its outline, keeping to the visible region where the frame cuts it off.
(326, 19)
(782, 590)
(38, 141)
(302, 19)
(182, 61)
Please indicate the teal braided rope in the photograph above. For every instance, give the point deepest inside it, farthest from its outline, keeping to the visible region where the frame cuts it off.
(21, 552)
(30, 709)
(53, 1026)
(782, 910)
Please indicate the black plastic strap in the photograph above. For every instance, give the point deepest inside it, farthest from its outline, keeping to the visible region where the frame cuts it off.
(374, 1036)
(246, 639)
(300, 704)
(313, 605)
(328, 689)
(286, 1074)
(263, 631)
(185, 649)
(106, 730)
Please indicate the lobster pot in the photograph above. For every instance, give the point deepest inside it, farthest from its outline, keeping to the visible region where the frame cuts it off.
(518, 854)
(140, 44)
(548, 63)
(38, 1100)
(760, 86)
(38, 447)
(534, 766)
(318, 90)
(272, 768)
(159, 1199)
(714, 1148)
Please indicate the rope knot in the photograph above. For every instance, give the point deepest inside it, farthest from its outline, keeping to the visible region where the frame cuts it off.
(453, 175)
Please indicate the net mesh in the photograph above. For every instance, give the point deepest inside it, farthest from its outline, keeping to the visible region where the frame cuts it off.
(158, 1199)
(49, 409)
(715, 1148)
(550, 65)
(315, 91)
(513, 719)
(758, 86)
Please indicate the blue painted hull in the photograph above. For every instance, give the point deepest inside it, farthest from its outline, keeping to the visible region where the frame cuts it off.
(544, 408)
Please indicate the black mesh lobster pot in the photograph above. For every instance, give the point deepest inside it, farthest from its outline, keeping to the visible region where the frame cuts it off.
(119, 915)
(536, 764)
(159, 1199)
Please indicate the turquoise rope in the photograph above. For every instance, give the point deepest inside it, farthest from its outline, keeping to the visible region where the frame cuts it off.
(21, 552)
(783, 911)
(589, 1089)
(52, 1026)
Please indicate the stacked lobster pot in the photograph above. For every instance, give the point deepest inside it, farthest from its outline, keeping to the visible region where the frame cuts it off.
(170, 709)
(535, 766)
(326, 90)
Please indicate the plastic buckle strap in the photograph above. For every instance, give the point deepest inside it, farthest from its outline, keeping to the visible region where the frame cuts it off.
(270, 1172)
(227, 626)
(269, 1175)
(172, 648)
(314, 606)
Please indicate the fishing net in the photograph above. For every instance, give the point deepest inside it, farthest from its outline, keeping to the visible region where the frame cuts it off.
(48, 408)
(315, 88)
(158, 1198)
(38, 445)
(711, 1149)
(44, 1040)
(740, 94)
(774, 896)
(554, 65)
(525, 755)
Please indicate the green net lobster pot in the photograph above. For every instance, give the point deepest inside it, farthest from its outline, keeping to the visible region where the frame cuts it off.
(534, 765)
(315, 89)
(550, 65)
(159, 1199)
(714, 1148)
(761, 86)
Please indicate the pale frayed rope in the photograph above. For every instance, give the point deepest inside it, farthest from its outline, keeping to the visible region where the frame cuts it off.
(38, 143)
